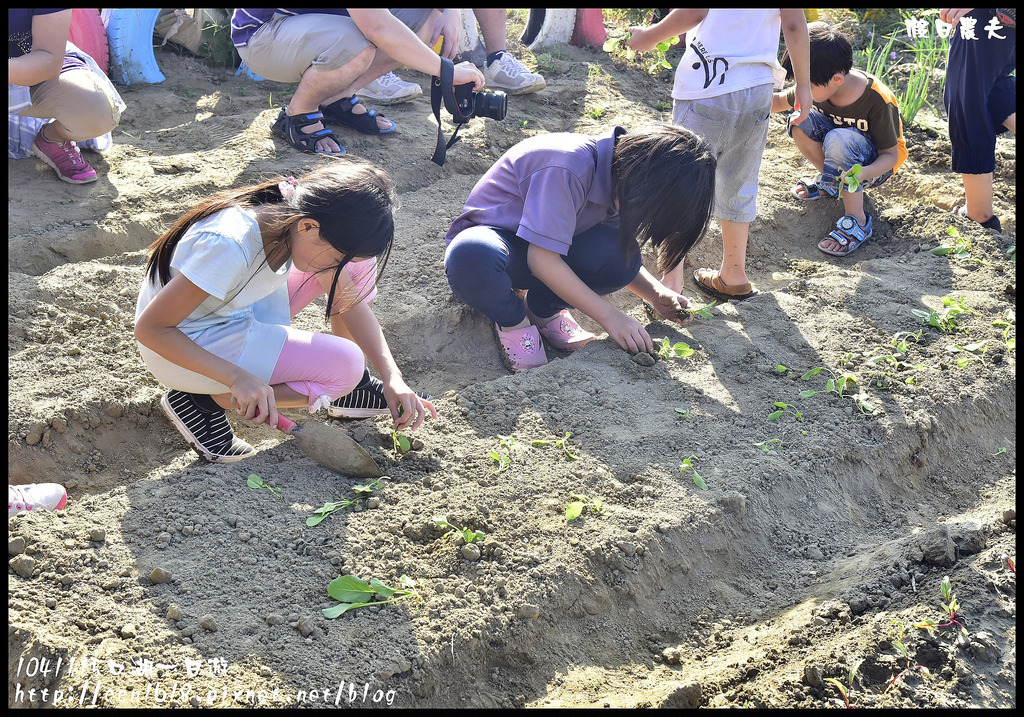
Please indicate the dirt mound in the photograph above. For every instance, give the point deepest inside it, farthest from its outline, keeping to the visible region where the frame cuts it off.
(823, 534)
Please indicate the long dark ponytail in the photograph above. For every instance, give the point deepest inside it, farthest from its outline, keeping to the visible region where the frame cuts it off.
(353, 200)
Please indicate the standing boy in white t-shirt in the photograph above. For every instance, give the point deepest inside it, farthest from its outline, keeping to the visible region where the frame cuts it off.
(723, 92)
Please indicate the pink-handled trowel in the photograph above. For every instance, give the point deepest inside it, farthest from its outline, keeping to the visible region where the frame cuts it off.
(331, 448)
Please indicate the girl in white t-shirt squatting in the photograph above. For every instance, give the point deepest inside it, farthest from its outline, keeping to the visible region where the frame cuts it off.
(222, 284)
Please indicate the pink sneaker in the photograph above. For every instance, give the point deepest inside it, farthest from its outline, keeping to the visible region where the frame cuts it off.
(65, 158)
(523, 348)
(565, 334)
(35, 496)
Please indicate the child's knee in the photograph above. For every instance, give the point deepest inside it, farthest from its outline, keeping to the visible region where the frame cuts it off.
(845, 147)
(340, 365)
(468, 254)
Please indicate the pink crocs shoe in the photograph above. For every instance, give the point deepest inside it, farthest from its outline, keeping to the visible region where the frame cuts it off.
(523, 348)
(565, 334)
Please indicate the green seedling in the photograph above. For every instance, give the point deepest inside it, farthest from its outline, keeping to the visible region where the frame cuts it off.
(580, 503)
(782, 369)
(1000, 452)
(469, 536)
(900, 339)
(562, 443)
(960, 247)
(950, 605)
(846, 691)
(361, 491)
(1007, 323)
(835, 384)
(255, 481)
(972, 348)
(503, 459)
(683, 412)
(852, 179)
(668, 350)
(767, 446)
(616, 43)
(705, 311)
(596, 113)
(400, 443)
(783, 409)
(545, 61)
(897, 635)
(947, 318)
(353, 592)
(697, 480)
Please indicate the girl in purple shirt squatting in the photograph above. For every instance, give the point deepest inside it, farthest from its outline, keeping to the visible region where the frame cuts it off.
(558, 223)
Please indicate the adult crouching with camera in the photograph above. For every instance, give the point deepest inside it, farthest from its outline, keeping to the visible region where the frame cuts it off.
(332, 54)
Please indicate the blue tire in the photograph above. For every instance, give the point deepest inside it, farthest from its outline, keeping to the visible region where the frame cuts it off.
(130, 37)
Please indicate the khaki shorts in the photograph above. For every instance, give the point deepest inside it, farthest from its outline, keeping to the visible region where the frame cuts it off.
(284, 48)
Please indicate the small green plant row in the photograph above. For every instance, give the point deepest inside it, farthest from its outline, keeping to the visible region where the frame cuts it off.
(836, 383)
(362, 492)
(958, 246)
(898, 638)
(502, 453)
(949, 318)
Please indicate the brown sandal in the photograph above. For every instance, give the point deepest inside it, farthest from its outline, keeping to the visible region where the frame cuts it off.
(719, 289)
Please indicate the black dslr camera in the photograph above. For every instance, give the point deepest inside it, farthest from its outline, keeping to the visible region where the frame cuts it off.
(463, 104)
(469, 104)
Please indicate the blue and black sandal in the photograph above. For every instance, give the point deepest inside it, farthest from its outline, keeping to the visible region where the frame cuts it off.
(849, 234)
(814, 188)
(289, 128)
(340, 112)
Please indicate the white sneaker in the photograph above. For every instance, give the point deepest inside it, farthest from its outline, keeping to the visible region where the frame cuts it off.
(390, 89)
(35, 496)
(510, 75)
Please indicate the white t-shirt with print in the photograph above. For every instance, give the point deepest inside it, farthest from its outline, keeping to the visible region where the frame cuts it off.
(730, 50)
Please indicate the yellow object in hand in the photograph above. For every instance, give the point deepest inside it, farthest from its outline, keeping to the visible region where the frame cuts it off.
(440, 43)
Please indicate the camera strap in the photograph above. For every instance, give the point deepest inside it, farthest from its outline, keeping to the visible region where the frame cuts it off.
(443, 90)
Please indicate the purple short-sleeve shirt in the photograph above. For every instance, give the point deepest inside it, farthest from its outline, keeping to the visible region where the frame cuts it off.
(546, 189)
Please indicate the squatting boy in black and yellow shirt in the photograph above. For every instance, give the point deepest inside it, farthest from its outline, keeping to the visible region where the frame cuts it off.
(855, 122)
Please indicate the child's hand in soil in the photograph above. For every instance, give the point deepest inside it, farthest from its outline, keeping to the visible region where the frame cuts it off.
(407, 409)
(628, 333)
(674, 307)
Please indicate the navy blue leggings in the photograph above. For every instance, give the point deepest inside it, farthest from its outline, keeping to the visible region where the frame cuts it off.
(485, 264)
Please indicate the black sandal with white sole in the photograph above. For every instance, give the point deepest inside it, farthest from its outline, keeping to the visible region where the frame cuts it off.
(340, 112)
(289, 128)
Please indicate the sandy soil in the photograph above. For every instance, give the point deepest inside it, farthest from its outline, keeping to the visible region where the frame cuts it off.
(818, 541)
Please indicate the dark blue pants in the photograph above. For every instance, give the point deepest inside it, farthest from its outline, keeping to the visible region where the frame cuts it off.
(979, 93)
(485, 264)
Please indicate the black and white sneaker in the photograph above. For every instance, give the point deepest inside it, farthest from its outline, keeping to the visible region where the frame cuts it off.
(208, 432)
(365, 401)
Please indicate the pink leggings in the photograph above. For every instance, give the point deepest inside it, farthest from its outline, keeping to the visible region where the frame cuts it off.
(313, 363)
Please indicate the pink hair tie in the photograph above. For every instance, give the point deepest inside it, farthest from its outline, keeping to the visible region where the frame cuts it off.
(287, 188)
